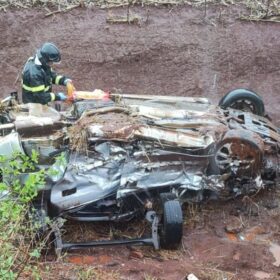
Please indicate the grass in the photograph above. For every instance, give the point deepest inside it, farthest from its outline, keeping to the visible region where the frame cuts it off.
(149, 277)
(96, 273)
(214, 273)
(60, 270)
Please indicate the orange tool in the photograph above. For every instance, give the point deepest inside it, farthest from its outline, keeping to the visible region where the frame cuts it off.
(73, 94)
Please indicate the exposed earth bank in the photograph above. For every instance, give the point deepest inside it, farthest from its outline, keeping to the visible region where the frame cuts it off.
(175, 51)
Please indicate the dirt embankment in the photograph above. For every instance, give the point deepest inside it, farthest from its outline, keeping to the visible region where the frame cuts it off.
(177, 51)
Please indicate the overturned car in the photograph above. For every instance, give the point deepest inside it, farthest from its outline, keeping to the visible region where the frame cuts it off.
(144, 156)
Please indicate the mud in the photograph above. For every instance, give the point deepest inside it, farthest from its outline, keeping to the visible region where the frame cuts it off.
(175, 51)
(208, 250)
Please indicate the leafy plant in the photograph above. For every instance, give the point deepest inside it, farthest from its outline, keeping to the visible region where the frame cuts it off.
(20, 182)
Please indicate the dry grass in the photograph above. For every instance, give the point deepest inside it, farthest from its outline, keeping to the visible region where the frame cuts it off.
(97, 274)
(59, 270)
(114, 125)
(193, 216)
(258, 10)
(214, 273)
(103, 231)
(149, 277)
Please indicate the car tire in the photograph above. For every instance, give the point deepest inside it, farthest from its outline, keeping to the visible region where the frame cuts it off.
(171, 230)
(167, 196)
(244, 100)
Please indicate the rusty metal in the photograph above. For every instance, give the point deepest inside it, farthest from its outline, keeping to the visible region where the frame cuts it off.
(241, 151)
(176, 138)
(5, 129)
(257, 124)
(112, 125)
(160, 98)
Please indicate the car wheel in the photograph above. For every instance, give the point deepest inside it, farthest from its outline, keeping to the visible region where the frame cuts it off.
(167, 196)
(244, 100)
(240, 152)
(171, 226)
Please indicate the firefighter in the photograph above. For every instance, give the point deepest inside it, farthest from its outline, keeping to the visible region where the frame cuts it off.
(38, 77)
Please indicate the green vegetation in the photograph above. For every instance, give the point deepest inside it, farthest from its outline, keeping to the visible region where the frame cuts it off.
(18, 255)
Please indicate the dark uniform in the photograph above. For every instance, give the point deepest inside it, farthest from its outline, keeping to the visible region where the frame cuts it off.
(38, 77)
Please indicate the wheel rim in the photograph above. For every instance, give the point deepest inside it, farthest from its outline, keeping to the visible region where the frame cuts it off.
(244, 105)
(236, 157)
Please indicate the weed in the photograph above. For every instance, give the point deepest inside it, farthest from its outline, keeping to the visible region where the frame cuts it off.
(18, 257)
(96, 273)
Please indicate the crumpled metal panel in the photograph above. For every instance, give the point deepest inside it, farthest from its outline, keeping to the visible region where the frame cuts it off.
(10, 144)
(110, 167)
(176, 101)
(257, 124)
(181, 138)
(6, 129)
(80, 107)
(180, 180)
(187, 123)
(169, 112)
(86, 180)
(45, 145)
(176, 138)
(157, 178)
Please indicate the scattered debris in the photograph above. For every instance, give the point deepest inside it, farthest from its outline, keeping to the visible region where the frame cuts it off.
(236, 256)
(254, 234)
(136, 254)
(275, 250)
(192, 277)
(67, 9)
(234, 225)
(132, 19)
(262, 275)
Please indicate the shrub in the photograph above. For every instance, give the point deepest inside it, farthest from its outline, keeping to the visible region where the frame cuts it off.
(19, 186)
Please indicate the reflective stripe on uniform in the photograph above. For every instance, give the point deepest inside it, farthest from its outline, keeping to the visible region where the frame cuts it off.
(52, 96)
(47, 88)
(34, 89)
(57, 79)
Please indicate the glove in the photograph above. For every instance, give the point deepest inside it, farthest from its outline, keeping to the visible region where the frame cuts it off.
(60, 96)
(67, 81)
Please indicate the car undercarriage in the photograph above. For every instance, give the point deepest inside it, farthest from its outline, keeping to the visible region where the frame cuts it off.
(143, 157)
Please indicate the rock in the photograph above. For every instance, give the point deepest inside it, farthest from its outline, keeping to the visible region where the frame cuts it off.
(275, 250)
(136, 254)
(192, 277)
(262, 275)
(271, 204)
(236, 256)
(234, 225)
(219, 232)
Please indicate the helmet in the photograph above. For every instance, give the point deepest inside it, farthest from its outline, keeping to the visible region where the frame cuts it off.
(49, 52)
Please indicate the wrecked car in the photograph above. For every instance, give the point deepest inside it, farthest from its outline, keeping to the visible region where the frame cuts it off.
(144, 156)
